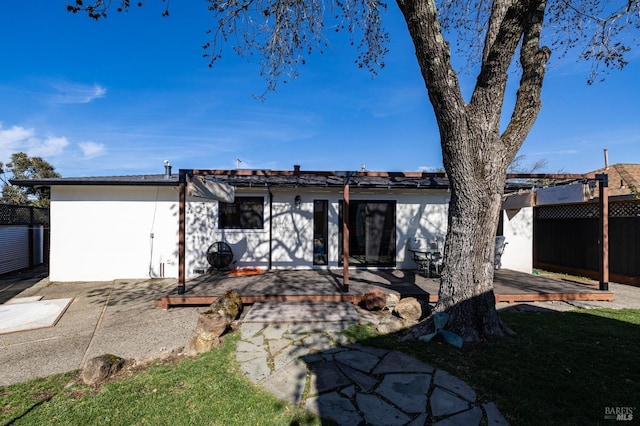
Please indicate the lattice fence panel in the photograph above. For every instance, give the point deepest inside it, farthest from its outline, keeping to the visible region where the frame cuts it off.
(21, 215)
(626, 208)
(568, 211)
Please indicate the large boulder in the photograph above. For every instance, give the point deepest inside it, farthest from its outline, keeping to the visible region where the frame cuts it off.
(200, 343)
(392, 301)
(214, 322)
(211, 325)
(100, 368)
(392, 324)
(409, 308)
(209, 328)
(374, 300)
(229, 305)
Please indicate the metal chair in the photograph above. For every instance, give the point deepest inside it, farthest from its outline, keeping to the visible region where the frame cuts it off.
(499, 249)
(437, 255)
(423, 262)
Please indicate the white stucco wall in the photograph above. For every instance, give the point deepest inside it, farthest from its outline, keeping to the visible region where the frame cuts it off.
(518, 231)
(104, 232)
(418, 214)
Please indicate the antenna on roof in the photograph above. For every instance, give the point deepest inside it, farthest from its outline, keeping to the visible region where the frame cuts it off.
(238, 161)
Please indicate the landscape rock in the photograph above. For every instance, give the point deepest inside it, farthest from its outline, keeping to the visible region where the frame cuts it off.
(229, 305)
(211, 325)
(392, 301)
(371, 317)
(392, 324)
(374, 300)
(200, 343)
(100, 368)
(409, 308)
(209, 328)
(214, 322)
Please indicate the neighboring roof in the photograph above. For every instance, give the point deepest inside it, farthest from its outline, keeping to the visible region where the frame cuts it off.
(131, 180)
(624, 179)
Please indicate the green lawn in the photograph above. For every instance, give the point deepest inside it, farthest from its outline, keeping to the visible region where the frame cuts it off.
(562, 368)
(207, 390)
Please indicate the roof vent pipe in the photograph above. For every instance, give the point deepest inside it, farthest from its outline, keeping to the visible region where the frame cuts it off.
(296, 167)
(606, 158)
(167, 169)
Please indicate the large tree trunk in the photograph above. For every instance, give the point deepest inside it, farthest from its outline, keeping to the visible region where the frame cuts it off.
(466, 288)
(475, 154)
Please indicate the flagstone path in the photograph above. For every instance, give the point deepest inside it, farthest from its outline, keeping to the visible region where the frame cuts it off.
(312, 365)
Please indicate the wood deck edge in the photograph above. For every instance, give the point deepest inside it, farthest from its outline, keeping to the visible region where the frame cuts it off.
(174, 300)
(551, 297)
(167, 301)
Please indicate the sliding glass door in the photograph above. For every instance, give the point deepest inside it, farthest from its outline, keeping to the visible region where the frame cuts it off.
(372, 233)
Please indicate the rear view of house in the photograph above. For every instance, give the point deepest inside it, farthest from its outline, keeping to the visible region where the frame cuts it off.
(103, 228)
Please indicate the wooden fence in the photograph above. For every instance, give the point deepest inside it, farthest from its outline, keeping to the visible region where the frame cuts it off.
(565, 239)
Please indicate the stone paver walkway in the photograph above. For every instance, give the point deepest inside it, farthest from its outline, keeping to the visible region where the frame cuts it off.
(312, 365)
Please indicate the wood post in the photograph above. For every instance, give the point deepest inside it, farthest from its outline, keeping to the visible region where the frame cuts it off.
(182, 189)
(603, 222)
(345, 238)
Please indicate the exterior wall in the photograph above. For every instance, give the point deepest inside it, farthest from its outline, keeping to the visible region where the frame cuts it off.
(420, 214)
(518, 231)
(102, 233)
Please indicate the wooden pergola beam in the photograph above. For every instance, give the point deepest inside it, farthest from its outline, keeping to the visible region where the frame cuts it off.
(284, 173)
(182, 187)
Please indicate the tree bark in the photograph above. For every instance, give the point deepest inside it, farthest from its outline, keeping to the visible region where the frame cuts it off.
(475, 154)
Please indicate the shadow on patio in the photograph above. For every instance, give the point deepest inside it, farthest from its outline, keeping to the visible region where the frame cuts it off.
(326, 285)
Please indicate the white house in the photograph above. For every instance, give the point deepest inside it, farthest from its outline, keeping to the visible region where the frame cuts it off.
(103, 228)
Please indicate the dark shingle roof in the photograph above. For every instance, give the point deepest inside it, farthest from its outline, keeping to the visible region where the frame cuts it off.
(272, 179)
(130, 180)
(332, 181)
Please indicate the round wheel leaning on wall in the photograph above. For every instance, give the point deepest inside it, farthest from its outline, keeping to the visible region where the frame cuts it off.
(219, 255)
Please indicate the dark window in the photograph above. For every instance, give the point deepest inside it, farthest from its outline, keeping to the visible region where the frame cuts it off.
(320, 231)
(243, 213)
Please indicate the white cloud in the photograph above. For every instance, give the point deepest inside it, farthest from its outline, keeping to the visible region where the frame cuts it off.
(76, 93)
(13, 140)
(21, 139)
(48, 147)
(92, 149)
(13, 135)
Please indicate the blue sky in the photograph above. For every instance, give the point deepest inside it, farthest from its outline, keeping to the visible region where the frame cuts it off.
(121, 95)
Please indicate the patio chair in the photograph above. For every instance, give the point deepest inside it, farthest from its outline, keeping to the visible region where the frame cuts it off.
(437, 256)
(499, 249)
(423, 262)
(429, 258)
